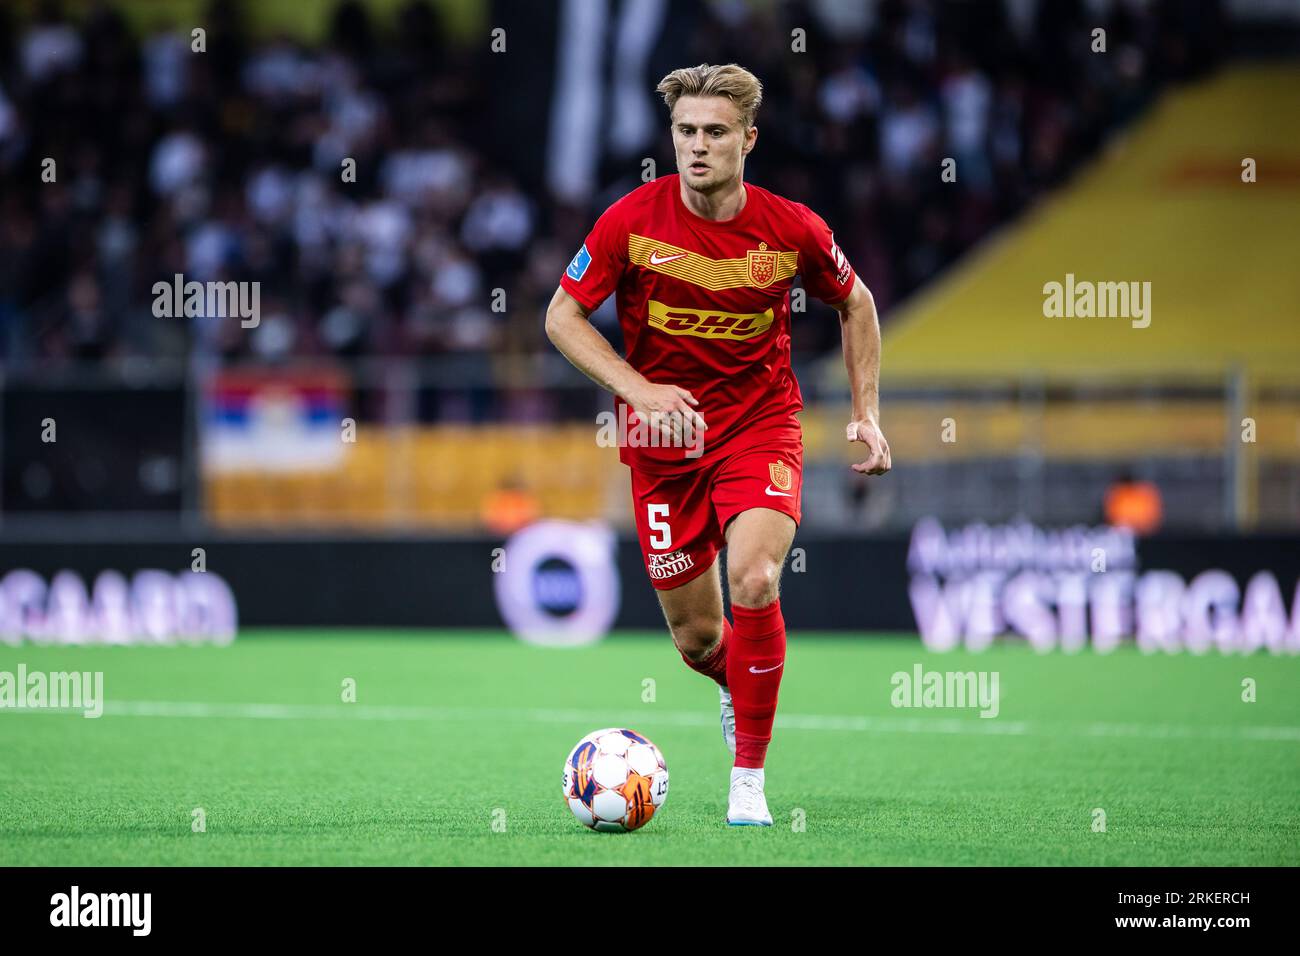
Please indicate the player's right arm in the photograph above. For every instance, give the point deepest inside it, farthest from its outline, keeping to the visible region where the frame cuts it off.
(570, 330)
(591, 278)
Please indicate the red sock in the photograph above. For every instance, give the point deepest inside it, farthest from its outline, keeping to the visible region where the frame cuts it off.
(715, 665)
(754, 667)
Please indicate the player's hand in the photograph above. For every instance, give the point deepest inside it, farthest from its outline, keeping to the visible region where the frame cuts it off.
(868, 432)
(671, 410)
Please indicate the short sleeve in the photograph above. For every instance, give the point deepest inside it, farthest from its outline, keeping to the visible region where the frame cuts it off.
(598, 266)
(825, 270)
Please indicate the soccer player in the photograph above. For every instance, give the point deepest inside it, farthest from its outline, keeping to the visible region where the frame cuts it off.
(702, 264)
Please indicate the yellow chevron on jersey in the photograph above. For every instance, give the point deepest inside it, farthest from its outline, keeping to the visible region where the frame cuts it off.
(708, 323)
(754, 271)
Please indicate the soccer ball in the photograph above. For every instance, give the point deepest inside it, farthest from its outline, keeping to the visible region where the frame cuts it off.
(615, 780)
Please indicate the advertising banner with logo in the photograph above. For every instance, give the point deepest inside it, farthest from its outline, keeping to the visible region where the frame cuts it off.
(1054, 588)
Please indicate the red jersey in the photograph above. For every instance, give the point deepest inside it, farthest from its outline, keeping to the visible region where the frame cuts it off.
(705, 305)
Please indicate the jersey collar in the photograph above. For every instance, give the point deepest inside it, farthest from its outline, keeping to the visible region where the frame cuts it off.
(697, 220)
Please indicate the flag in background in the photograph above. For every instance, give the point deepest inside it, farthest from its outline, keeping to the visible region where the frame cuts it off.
(259, 420)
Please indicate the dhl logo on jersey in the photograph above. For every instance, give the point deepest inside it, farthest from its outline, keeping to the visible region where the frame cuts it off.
(709, 323)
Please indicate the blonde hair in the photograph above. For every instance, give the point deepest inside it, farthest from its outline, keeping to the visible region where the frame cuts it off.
(732, 81)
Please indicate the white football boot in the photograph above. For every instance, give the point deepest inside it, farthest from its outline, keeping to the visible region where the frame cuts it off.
(746, 806)
(728, 720)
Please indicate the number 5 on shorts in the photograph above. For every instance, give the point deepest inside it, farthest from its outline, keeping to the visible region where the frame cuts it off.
(662, 537)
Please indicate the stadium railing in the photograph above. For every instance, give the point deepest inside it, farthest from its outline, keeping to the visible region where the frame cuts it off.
(407, 444)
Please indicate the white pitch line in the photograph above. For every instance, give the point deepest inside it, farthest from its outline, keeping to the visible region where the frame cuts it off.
(810, 722)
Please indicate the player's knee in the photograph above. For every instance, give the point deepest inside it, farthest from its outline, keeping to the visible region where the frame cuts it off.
(696, 637)
(754, 583)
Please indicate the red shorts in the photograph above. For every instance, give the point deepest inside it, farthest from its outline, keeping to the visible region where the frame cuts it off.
(681, 520)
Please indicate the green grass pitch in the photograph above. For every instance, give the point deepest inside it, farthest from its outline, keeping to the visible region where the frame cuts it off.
(453, 733)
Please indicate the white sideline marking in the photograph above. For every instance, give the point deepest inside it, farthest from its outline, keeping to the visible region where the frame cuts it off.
(686, 718)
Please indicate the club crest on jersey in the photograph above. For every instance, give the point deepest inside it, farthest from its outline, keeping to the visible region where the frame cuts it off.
(762, 266)
(780, 474)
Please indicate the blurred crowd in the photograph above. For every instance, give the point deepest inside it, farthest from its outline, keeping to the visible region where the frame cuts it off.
(232, 163)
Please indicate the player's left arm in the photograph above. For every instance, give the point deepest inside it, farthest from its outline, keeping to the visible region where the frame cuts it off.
(826, 275)
(860, 332)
